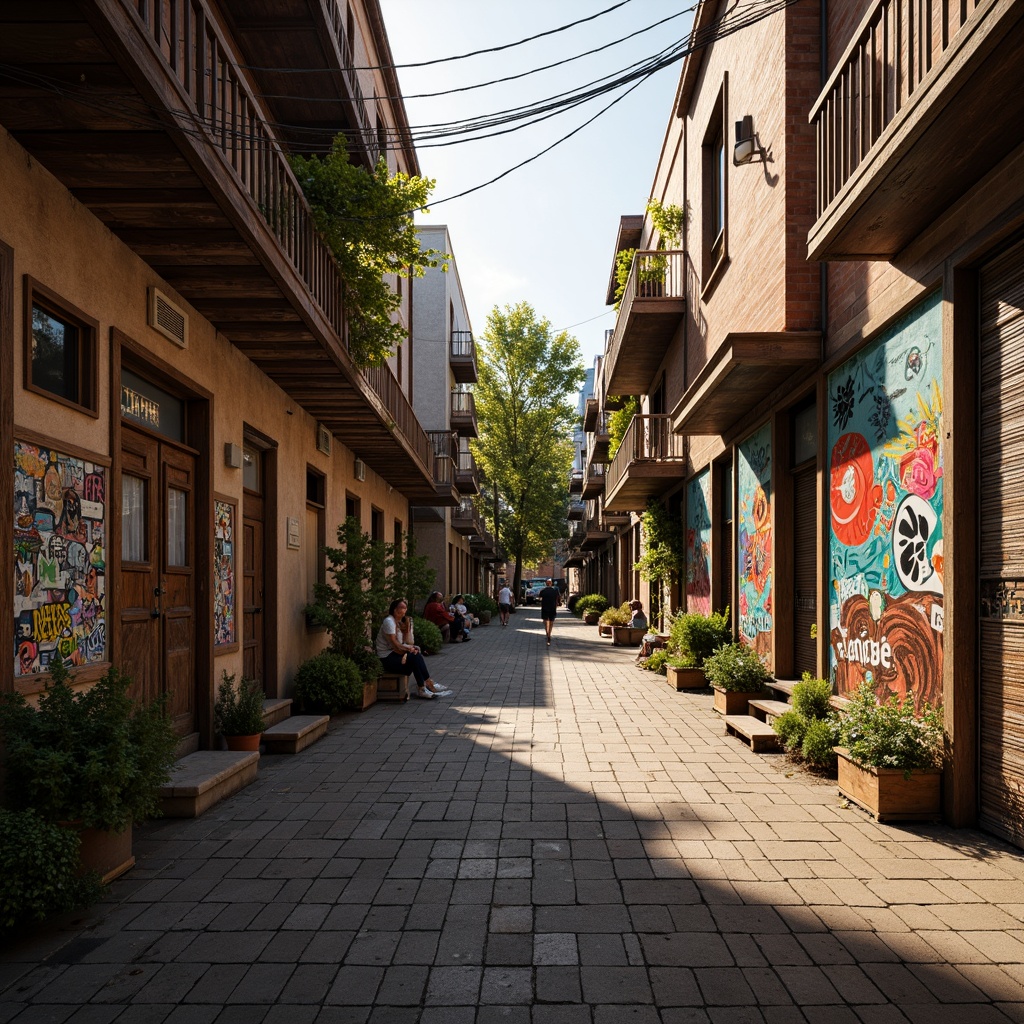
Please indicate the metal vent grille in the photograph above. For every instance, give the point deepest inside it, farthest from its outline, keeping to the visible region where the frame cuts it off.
(323, 439)
(360, 470)
(168, 318)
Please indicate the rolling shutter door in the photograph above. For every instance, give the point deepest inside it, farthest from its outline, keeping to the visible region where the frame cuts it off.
(1002, 546)
(805, 570)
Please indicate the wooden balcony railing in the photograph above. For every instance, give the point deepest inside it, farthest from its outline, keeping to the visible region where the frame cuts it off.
(443, 447)
(648, 438)
(892, 51)
(576, 481)
(196, 51)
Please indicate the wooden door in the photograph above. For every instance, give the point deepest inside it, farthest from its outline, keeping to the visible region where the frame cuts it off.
(157, 584)
(252, 587)
(1001, 633)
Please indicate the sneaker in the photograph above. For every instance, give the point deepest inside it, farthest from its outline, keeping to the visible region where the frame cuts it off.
(424, 695)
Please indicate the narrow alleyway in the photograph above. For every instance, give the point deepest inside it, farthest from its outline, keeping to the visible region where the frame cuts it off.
(562, 841)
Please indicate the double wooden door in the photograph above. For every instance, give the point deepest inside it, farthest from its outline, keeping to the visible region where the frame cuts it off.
(157, 591)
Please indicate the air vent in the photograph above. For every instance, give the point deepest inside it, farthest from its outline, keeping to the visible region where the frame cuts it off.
(360, 470)
(168, 318)
(323, 439)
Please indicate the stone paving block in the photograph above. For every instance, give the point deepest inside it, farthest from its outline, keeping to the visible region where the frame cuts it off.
(309, 984)
(454, 986)
(605, 985)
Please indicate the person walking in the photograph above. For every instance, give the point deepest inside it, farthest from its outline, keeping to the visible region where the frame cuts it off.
(550, 599)
(504, 604)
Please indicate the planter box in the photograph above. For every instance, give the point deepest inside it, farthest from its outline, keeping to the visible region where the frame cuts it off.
(603, 630)
(591, 618)
(887, 795)
(109, 854)
(685, 678)
(244, 742)
(729, 703)
(369, 694)
(485, 618)
(627, 636)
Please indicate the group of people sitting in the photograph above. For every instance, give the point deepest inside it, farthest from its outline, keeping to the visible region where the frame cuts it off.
(455, 621)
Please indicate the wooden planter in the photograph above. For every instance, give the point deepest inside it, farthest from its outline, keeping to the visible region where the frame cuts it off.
(591, 618)
(887, 795)
(604, 630)
(109, 854)
(729, 703)
(627, 636)
(685, 678)
(244, 742)
(485, 618)
(369, 694)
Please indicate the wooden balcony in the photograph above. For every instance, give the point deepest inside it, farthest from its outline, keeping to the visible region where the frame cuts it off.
(590, 414)
(576, 481)
(599, 438)
(923, 104)
(650, 459)
(155, 125)
(463, 415)
(463, 357)
(444, 446)
(575, 511)
(595, 533)
(652, 307)
(577, 531)
(467, 476)
(465, 519)
(593, 479)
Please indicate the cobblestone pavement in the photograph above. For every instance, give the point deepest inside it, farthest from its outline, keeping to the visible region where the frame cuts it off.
(563, 841)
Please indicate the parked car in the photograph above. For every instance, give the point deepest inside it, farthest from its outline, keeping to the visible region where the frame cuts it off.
(532, 589)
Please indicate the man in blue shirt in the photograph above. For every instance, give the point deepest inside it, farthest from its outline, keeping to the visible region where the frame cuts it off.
(550, 599)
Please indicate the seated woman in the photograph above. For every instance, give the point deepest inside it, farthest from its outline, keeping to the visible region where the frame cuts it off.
(461, 626)
(436, 613)
(401, 657)
(639, 620)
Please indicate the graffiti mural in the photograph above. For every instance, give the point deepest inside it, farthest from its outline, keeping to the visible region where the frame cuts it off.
(223, 573)
(60, 566)
(885, 497)
(754, 547)
(698, 544)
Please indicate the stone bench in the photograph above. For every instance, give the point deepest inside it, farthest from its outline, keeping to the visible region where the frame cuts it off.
(204, 778)
(766, 710)
(392, 687)
(760, 735)
(295, 733)
(276, 709)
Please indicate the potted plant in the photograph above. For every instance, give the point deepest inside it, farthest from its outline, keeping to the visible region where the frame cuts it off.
(809, 731)
(890, 757)
(612, 617)
(331, 683)
(91, 759)
(589, 607)
(692, 639)
(736, 673)
(238, 713)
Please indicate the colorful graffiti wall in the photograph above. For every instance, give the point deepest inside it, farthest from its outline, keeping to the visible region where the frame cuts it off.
(885, 497)
(59, 542)
(224, 573)
(698, 544)
(754, 544)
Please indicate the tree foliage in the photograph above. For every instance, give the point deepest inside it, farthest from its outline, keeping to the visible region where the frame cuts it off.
(668, 221)
(365, 219)
(527, 379)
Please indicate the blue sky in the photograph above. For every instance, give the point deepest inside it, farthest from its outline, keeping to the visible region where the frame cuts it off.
(545, 234)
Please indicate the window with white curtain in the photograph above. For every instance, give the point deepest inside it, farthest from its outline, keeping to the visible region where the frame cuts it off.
(133, 519)
(177, 533)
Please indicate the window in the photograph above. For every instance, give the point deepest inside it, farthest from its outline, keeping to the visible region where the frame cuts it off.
(353, 510)
(376, 524)
(398, 534)
(714, 217)
(316, 530)
(60, 349)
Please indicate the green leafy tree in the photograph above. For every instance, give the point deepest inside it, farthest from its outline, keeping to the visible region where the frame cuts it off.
(365, 219)
(528, 377)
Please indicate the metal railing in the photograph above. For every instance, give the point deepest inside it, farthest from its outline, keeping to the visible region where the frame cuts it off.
(196, 51)
(443, 447)
(892, 51)
(463, 345)
(463, 404)
(648, 438)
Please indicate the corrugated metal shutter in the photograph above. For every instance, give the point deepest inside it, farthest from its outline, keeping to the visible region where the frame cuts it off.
(1002, 545)
(805, 569)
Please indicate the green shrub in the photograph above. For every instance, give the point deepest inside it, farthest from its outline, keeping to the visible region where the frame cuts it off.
(657, 661)
(428, 636)
(589, 603)
(696, 637)
(819, 740)
(238, 711)
(94, 756)
(484, 603)
(38, 863)
(736, 668)
(891, 735)
(472, 603)
(329, 683)
(621, 616)
(791, 728)
(813, 697)
(368, 663)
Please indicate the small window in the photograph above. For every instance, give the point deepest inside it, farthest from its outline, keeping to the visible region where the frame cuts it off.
(714, 217)
(376, 524)
(60, 349)
(353, 509)
(252, 465)
(316, 531)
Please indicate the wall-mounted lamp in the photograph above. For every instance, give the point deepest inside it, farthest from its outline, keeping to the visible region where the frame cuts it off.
(746, 142)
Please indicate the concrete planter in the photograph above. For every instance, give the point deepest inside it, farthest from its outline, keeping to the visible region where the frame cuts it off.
(730, 703)
(108, 854)
(887, 795)
(369, 694)
(685, 678)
